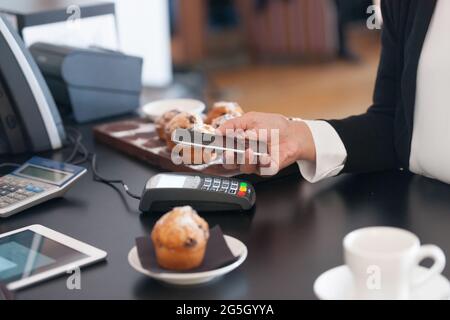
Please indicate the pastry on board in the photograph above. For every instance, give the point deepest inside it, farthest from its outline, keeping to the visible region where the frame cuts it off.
(183, 120)
(162, 122)
(222, 108)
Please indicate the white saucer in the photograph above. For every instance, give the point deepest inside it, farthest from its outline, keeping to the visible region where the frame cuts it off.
(336, 284)
(237, 248)
(155, 109)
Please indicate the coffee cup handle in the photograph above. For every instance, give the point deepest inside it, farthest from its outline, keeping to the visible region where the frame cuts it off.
(432, 252)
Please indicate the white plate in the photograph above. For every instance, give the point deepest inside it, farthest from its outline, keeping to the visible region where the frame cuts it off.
(337, 284)
(155, 109)
(237, 248)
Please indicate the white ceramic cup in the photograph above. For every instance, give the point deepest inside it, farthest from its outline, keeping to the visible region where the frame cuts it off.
(382, 260)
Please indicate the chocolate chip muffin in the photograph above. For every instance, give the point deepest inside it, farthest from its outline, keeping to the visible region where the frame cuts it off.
(180, 238)
(183, 120)
(222, 108)
(162, 122)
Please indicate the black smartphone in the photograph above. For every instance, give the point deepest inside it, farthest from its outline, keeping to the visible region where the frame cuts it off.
(193, 138)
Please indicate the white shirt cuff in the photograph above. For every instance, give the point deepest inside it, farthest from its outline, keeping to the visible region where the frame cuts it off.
(330, 153)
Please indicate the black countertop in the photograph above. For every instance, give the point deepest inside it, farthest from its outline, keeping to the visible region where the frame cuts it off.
(293, 235)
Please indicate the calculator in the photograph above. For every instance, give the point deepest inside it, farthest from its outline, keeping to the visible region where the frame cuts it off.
(36, 181)
(204, 193)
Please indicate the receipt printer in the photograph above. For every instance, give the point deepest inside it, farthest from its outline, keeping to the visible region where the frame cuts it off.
(90, 84)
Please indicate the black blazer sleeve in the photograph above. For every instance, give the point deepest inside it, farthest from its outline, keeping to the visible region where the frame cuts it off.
(369, 138)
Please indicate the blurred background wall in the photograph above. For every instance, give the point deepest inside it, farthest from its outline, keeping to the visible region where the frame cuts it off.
(306, 58)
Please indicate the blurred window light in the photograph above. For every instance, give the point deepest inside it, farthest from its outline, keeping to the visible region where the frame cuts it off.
(143, 30)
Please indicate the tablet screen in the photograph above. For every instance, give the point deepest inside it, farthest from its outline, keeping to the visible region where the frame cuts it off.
(27, 253)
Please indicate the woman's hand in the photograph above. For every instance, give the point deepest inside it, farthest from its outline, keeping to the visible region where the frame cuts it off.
(288, 141)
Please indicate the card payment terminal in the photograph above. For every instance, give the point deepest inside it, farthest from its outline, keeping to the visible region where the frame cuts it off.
(204, 193)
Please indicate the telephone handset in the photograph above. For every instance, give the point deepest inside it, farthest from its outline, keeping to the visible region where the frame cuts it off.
(29, 118)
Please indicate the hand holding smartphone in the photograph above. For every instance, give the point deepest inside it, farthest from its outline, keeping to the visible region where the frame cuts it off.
(219, 143)
(236, 152)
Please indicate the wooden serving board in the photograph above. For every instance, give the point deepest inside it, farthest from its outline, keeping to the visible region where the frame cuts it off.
(138, 138)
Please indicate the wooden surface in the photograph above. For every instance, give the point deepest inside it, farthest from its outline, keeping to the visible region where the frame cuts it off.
(333, 89)
(138, 138)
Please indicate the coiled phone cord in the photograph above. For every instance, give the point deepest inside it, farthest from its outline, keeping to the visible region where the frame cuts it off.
(80, 149)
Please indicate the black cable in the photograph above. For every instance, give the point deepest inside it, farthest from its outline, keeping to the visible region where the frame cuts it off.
(80, 149)
(75, 140)
(98, 177)
(9, 164)
(84, 152)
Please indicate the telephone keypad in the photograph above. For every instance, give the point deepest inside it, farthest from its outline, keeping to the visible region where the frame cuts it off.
(234, 187)
(225, 186)
(216, 183)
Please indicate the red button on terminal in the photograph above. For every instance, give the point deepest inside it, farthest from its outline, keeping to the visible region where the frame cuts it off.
(241, 194)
